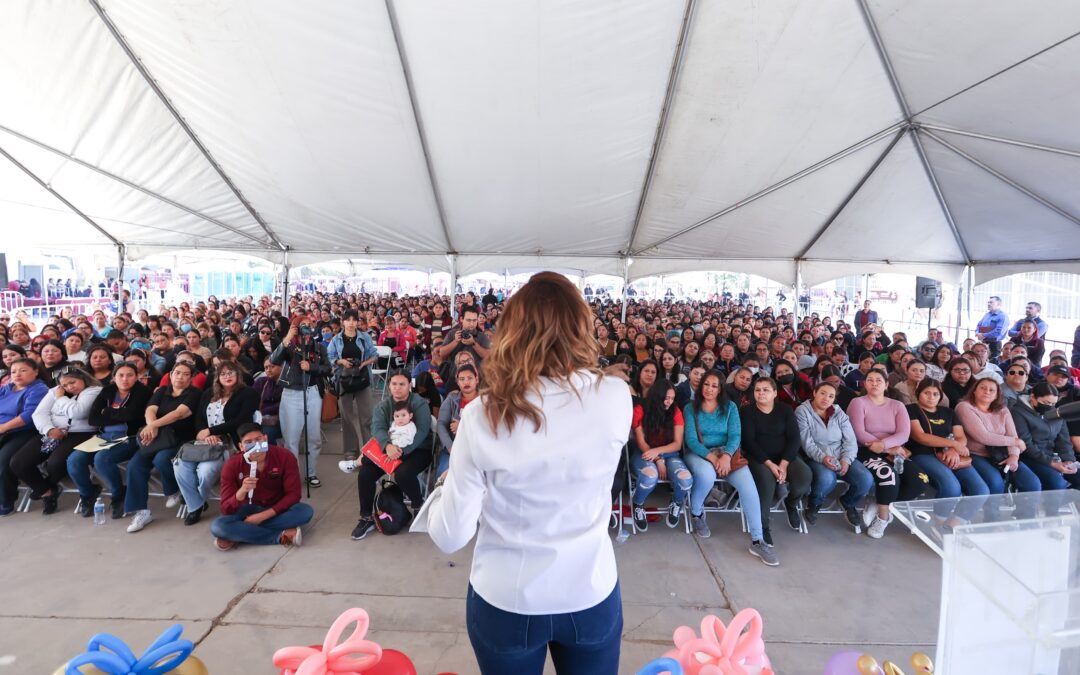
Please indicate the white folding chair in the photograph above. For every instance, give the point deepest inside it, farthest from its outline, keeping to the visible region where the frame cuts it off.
(378, 370)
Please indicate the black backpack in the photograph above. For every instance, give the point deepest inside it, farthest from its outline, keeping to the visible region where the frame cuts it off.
(391, 514)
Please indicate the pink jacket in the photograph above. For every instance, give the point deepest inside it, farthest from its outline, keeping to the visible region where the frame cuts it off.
(987, 428)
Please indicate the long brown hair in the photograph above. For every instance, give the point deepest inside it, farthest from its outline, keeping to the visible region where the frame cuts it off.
(218, 389)
(545, 331)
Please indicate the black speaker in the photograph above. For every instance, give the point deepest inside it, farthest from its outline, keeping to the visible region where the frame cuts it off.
(927, 293)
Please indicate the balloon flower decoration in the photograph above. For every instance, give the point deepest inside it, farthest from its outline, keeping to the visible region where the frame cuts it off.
(353, 656)
(108, 655)
(857, 663)
(736, 649)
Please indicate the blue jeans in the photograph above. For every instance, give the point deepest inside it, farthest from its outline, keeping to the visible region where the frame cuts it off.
(291, 416)
(197, 480)
(951, 483)
(1024, 479)
(442, 462)
(743, 482)
(857, 477)
(106, 463)
(233, 528)
(646, 477)
(138, 478)
(581, 643)
(1050, 477)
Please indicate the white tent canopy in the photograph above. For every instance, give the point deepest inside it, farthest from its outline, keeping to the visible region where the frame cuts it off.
(782, 138)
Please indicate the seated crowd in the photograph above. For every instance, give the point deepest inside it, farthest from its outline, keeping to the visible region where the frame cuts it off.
(727, 397)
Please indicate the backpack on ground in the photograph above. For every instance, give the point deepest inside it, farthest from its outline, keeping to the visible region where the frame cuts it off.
(391, 514)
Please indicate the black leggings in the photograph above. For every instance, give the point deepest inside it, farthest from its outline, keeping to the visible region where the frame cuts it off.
(911, 484)
(412, 465)
(27, 459)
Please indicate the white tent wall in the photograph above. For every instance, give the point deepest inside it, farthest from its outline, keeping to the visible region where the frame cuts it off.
(829, 138)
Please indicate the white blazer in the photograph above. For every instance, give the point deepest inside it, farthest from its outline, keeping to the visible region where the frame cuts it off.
(538, 502)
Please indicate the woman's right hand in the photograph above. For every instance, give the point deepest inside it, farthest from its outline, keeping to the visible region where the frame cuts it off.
(951, 458)
(722, 464)
(148, 434)
(877, 446)
(202, 435)
(661, 469)
(1020, 444)
(453, 427)
(830, 463)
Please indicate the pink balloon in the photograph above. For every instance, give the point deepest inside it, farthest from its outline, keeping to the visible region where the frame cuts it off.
(843, 663)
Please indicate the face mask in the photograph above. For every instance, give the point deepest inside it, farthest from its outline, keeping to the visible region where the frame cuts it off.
(753, 369)
(185, 327)
(305, 330)
(785, 379)
(327, 337)
(259, 446)
(1043, 408)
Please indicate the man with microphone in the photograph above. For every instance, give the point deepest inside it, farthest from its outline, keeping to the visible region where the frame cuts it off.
(260, 495)
(304, 363)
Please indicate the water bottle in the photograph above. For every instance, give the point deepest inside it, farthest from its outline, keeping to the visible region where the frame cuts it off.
(898, 464)
(99, 512)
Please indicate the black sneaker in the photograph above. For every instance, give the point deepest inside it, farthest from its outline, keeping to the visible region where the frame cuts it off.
(793, 519)
(314, 481)
(49, 504)
(766, 536)
(195, 516)
(86, 504)
(640, 521)
(363, 529)
(810, 515)
(854, 518)
(117, 505)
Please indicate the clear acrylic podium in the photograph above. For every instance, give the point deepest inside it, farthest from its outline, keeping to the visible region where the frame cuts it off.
(1010, 588)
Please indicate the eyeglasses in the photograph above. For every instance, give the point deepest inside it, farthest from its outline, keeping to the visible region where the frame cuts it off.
(264, 332)
(1018, 371)
(962, 370)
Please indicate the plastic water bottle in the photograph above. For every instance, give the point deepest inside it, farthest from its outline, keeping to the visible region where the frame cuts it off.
(99, 512)
(898, 464)
(623, 534)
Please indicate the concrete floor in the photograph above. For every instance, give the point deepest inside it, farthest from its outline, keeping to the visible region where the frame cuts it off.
(65, 579)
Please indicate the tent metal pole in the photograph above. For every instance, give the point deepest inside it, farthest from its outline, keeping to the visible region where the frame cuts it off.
(901, 100)
(1000, 139)
(970, 292)
(74, 209)
(961, 292)
(395, 28)
(851, 195)
(798, 290)
(665, 114)
(285, 283)
(133, 186)
(120, 252)
(139, 66)
(626, 285)
(452, 259)
(869, 140)
(1005, 179)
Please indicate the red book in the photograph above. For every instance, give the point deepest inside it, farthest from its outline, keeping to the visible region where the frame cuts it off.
(375, 453)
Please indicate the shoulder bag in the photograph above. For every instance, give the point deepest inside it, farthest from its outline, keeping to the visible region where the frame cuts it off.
(199, 451)
(965, 462)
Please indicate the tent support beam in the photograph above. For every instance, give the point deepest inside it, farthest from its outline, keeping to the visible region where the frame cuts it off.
(452, 259)
(665, 115)
(127, 183)
(139, 66)
(851, 195)
(285, 282)
(1000, 139)
(418, 119)
(74, 209)
(1005, 179)
(627, 262)
(901, 100)
(851, 149)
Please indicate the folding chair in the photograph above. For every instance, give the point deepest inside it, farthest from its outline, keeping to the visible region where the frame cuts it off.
(381, 366)
(654, 511)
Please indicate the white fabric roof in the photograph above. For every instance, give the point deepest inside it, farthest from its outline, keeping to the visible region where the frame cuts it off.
(821, 138)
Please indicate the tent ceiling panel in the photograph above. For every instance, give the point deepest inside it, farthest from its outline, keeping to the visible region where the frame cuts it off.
(306, 111)
(762, 92)
(782, 271)
(540, 131)
(1036, 102)
(71, 87)
(940, 48)
(820, 271)
(29, 215)
(990, 271)
(996, 221)
(893, 216)
(123, 212)
(782, 223)
(1054, 177)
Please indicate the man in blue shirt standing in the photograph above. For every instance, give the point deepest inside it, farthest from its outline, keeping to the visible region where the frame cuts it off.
(1031, 313)
(991, 328)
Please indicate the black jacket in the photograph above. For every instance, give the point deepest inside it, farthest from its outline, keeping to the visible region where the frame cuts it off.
(132, 412)
(292, 377)
(239, 409)
(1043, 438)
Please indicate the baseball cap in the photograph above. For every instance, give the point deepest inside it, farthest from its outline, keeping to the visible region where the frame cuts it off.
(1059, 370)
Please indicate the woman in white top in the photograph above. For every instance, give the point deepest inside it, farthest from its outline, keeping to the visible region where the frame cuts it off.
(530, 476)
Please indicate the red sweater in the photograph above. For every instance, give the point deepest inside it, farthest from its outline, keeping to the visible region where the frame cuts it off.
(278, 487)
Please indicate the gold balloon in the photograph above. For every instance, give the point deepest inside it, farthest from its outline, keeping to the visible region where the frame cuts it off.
(922, 664)
(892, 669)
(191, 666)
(867, 665)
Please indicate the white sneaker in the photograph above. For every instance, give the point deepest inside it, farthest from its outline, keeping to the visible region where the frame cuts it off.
(877, 528)
(172, 501)
(869, 513)
(142, 519)
(348, 465)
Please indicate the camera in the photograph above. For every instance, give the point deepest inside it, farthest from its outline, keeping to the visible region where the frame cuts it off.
(466, 334)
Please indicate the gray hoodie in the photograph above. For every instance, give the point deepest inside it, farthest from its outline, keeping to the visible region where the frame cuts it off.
(837, 439)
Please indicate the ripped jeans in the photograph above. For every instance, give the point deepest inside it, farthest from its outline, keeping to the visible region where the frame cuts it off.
(646, 476)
